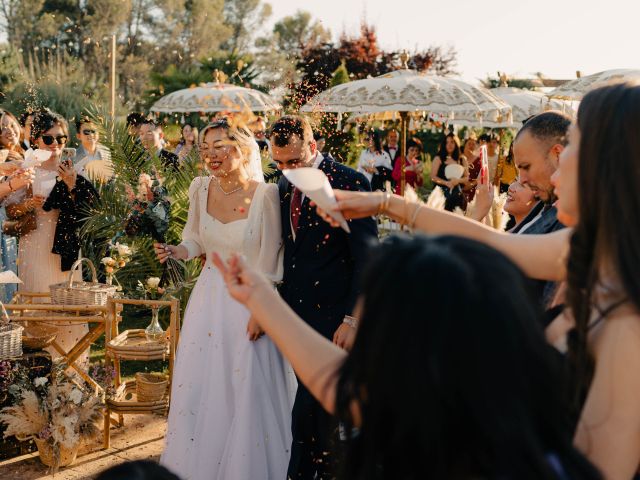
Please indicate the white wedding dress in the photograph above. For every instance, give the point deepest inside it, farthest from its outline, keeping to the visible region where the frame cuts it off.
(231, 399)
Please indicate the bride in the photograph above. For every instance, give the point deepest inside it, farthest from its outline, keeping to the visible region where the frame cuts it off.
(232, 392)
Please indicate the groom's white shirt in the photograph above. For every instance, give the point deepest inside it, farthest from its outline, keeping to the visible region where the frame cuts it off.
(317, 160)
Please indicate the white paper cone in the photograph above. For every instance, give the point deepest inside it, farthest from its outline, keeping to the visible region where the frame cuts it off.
(315, 185)
(34, 158)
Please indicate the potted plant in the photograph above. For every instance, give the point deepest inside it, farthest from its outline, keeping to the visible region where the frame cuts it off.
(56, 412)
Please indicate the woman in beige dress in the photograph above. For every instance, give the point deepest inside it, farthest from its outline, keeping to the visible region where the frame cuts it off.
(38, 267)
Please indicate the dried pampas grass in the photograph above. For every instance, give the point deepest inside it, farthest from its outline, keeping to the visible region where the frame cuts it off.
(25, 419)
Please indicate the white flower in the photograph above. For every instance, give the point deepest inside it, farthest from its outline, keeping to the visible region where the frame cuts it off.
(108, 261)
(123, 250)
(40, 381)
(75, 396)
(144, 179)
(153, 282)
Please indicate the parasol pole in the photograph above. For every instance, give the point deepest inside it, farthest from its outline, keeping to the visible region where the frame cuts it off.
(403, 148)
(112, 105)
(404, 58)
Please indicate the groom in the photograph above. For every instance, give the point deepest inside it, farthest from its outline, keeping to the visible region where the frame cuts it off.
(321, 270)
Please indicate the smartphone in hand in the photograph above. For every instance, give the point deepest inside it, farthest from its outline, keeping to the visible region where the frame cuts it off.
(68, 156)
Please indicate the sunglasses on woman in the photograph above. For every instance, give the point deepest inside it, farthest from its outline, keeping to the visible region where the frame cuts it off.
(49, 139)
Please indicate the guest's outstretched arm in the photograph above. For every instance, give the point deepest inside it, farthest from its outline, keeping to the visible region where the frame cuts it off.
(315, 359)
(539, 256)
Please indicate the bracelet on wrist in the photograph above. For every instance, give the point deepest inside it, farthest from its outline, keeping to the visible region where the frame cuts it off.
(351, 321)
(384, 203)
(412, 223)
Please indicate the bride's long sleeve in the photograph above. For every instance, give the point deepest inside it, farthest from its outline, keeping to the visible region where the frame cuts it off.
(191, 233)
(269, 260)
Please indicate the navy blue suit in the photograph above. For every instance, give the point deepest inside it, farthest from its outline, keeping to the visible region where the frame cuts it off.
(322, 266)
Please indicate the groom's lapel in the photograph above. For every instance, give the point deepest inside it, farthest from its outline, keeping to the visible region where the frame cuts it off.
(285, 188)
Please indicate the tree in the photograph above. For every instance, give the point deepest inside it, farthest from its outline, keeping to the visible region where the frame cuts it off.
(362, 57)
(245, 18)
(278, 53)
(295, 32)
(191, 29)
(340, 76)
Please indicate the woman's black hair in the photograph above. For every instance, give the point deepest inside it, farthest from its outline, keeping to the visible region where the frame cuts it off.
(138, 470)
(451, 372)
(377, 143)
(442, 152)
(608, 120)
(182, 140)
(44, 120)
(509, 158)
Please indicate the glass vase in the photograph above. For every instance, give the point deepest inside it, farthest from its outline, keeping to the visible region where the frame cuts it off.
(154, 332)
(109, 278)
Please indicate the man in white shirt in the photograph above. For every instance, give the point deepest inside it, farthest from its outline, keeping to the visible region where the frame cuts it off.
(391, 145)
(90, 148)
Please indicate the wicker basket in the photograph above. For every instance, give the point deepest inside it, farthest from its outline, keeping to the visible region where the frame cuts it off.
(37, 337)
(10, 337)
(82, 293)
(150, 387)
(47, 455)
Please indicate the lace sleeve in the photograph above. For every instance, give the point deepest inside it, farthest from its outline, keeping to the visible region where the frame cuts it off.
(191, 233)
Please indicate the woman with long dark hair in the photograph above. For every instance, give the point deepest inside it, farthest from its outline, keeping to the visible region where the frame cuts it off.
(449, 154)
(597, 185)
(413, 167)
(188, 140)
(470, 390)
(374, 162)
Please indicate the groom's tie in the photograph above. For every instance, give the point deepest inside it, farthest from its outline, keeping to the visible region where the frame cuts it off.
(296, 205)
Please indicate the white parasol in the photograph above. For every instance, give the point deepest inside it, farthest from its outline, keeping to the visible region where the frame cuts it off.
(215, 97)
(524, 104)
(576, 89)
(407, 91)
(410, 91)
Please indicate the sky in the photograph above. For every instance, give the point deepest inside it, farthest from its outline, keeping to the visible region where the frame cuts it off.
(555, 37)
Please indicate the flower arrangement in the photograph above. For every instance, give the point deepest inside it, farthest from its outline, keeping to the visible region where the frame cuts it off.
(151, 288)
(150, 210)
(58, 413)
(119, 255)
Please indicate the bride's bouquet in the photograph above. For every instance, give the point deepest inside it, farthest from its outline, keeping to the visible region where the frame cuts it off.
(150, 208)
(150, 214)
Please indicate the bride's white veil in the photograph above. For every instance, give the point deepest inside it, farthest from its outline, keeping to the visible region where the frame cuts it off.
(255, 163)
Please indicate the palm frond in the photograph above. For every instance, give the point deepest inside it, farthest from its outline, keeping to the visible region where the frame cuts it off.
(105, 220)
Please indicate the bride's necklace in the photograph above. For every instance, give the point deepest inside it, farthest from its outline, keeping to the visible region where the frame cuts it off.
(224, 192)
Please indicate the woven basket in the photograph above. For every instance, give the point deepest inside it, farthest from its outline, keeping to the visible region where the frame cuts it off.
(48, 457)
(82, 293)
(150, 387)
(37, 337)
(10, 337)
